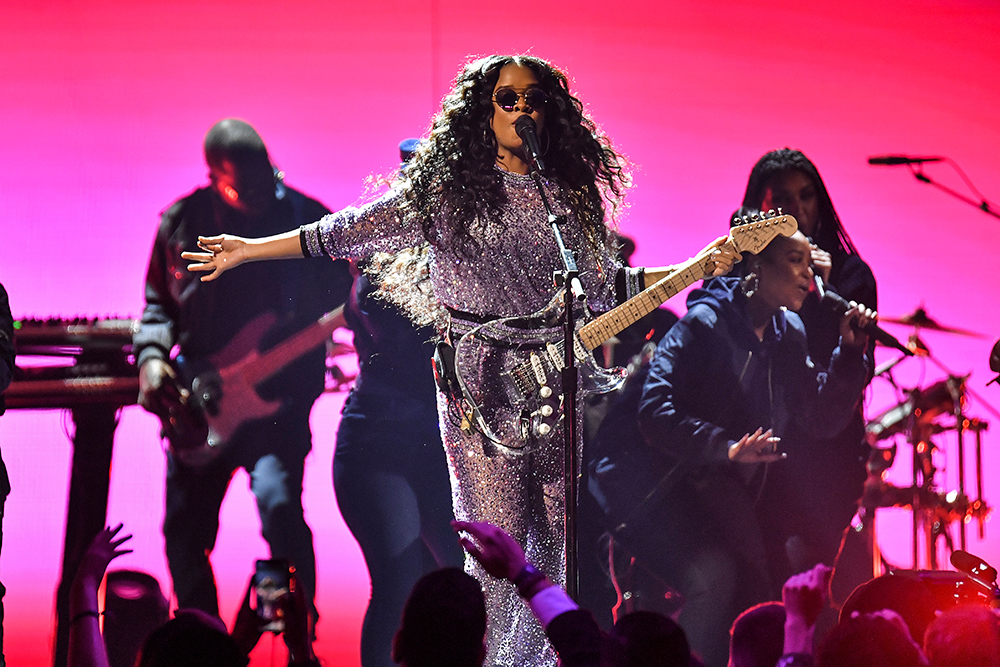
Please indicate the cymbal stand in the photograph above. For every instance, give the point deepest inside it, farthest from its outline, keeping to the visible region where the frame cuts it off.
(913, 437)
(969, 391)
(955, 386)
(977, 426)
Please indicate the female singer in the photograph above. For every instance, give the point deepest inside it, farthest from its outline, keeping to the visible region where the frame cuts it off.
(468, 194)
(731, 390)
(822, 484)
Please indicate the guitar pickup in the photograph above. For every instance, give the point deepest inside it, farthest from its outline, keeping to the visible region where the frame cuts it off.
(538, 368)
(555, 355)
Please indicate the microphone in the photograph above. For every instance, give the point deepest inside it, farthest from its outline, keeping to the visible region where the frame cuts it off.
(839, 305)
(894, 160)
(525, 128)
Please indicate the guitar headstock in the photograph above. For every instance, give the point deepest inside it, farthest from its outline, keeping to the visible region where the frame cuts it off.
(759, 230)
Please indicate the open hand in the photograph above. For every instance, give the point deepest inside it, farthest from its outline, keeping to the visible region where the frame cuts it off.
(104, 548)
(758, 447)
(221, 253)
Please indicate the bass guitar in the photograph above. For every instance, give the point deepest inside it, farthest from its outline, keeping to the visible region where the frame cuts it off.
(531, 384)
(201, 424)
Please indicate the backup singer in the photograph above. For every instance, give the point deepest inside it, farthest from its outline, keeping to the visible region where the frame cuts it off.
(816, 493)
(467, 193)
(389, 469)
(731, 388)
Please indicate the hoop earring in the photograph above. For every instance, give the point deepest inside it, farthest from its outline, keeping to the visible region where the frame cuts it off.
(545, 151)
(745, 286)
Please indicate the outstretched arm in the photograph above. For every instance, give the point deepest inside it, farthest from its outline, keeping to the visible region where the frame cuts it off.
(225, 252)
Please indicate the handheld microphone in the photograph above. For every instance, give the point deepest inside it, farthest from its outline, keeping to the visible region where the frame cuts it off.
(526, 129)
(894, 160)
(839, 305)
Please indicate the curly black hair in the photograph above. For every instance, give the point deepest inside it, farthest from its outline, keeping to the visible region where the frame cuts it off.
(453, 168)
(830, 233)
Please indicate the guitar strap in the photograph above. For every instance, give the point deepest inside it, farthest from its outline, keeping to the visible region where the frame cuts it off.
(450, 383)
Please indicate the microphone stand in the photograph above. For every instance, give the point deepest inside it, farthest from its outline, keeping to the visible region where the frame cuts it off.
(982, 205)
(569, 280)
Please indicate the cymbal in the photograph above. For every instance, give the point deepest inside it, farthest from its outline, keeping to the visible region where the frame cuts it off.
(919, 319)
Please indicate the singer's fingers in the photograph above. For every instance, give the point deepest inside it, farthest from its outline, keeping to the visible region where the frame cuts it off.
(202, 257)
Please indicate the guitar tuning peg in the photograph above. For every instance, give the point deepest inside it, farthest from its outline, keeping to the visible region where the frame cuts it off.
(754, 216)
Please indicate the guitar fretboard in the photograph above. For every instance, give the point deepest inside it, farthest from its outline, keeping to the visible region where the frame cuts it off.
(610, 323)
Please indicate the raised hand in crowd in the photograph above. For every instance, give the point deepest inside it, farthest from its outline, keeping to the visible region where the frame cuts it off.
(804, 596)
(86, 645)
(293, 609)
(496, 551)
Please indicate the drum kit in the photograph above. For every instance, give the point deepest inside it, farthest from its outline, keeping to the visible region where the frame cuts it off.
(922, 417)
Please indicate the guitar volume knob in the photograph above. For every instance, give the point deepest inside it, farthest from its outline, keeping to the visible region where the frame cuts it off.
(545, 391)
(544, 429)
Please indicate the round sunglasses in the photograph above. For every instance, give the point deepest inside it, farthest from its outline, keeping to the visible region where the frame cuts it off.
(507, 98)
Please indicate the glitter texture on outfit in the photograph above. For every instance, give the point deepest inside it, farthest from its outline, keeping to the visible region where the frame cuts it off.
(512, 275)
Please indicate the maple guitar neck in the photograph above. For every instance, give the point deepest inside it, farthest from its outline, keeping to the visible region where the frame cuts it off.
(602, 328)
(284, 353)
(751, 236)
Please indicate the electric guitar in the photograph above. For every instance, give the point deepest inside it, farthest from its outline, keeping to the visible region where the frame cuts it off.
(531, 386)
(200, 425)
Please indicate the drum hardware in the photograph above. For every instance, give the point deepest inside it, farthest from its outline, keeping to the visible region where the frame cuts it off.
(919, 319)
(921, 414)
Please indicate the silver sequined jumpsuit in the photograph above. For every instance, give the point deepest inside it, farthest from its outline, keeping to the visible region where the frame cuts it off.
(521, 492)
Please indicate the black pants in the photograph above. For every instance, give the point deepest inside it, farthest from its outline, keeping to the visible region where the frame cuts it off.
(273, 453)
(392, 488)
(702, 538)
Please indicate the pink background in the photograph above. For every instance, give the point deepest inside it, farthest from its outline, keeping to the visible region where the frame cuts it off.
(103, 106)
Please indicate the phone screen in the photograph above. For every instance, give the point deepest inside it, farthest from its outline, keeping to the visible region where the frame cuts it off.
(271, 584)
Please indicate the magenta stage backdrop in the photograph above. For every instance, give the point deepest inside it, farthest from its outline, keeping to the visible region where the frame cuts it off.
(103, 106)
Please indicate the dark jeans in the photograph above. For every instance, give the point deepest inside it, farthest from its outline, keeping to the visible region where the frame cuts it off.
(702, 539)
(392, 487)
(273, 453)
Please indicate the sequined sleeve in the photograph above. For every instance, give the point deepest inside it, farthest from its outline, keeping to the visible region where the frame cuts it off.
(360, 232)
